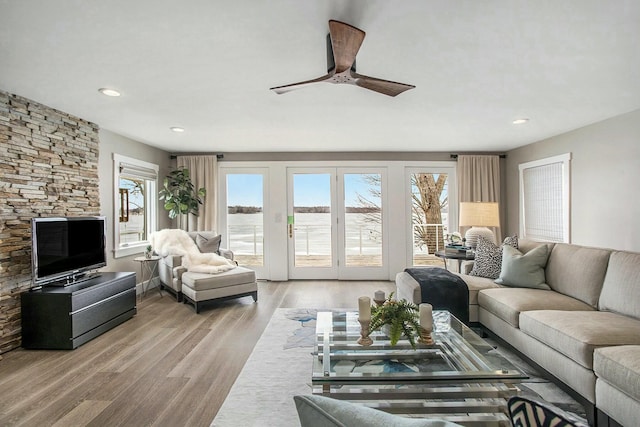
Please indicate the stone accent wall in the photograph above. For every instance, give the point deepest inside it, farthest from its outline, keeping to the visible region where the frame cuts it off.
(49, 168)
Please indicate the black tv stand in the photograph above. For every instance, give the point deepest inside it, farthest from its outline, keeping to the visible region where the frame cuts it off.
(72, 280)
(65, 317)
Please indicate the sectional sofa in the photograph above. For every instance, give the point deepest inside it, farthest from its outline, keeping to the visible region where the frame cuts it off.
(584, 329)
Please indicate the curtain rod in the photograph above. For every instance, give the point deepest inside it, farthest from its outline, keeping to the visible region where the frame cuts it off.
(218, 156)
(502, 156)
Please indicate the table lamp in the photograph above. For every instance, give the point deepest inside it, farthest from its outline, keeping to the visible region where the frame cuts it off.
(479, 216)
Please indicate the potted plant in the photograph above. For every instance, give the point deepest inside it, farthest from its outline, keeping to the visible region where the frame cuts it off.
(180, 195)
(401, 317)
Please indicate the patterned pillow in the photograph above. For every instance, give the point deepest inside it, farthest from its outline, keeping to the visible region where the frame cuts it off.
(531, 411)
(488, 261)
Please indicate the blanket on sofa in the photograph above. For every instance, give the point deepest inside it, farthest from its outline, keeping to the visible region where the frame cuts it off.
(177, 242)
(443, 290)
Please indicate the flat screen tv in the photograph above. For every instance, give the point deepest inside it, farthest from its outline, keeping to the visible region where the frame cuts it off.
(64, 249)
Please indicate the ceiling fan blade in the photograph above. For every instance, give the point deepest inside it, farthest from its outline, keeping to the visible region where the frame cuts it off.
(287, 88)
(382, 86)
(346, 41)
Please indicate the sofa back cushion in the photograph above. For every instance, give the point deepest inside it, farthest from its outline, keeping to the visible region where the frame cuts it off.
(577, 271)
(621, 289)
(525, 245)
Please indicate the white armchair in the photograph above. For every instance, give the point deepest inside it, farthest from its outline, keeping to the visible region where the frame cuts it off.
(170, 268)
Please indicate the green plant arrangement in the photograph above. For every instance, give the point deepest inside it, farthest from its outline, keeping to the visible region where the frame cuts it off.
(180, 195)
(401, 316)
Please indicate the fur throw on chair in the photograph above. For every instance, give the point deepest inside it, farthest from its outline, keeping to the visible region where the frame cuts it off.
(177, 242)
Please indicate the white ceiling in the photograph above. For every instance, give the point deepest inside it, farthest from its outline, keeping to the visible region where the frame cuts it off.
(207, 65)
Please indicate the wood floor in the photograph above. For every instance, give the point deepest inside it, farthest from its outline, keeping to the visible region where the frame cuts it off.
(165, 367)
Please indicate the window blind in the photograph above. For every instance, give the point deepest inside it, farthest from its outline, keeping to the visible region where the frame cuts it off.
(545, 199)
(138, 171)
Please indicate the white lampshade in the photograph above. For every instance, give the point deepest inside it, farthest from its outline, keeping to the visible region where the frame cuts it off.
(479, 216)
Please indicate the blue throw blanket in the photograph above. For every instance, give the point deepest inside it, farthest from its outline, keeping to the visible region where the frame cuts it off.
(443, 290)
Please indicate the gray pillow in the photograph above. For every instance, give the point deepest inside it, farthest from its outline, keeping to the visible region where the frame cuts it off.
(524, 270)
(319, 411)
(488, 259)
(210, 245)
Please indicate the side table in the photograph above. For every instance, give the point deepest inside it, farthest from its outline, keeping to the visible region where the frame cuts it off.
(460, 257)
(148, 266)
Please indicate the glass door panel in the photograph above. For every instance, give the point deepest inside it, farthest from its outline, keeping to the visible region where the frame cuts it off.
(312, 220)
(429, 215)
(362, 219)
(245, 225)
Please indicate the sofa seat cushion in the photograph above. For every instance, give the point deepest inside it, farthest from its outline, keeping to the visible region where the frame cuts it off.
(619, 366)
(475, 285)
(576, 334)
(204, 281)
(508, 303)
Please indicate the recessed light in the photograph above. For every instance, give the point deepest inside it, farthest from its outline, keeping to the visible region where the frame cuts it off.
(109, 92)
(177, 129)
(520, 121)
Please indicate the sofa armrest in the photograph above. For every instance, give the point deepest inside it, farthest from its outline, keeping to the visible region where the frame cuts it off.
(465, 267)
(227, 253)
(172, 261)
(166, 270)
(178, 272)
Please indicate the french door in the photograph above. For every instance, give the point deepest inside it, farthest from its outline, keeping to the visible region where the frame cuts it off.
(242, 221)
(335, 223)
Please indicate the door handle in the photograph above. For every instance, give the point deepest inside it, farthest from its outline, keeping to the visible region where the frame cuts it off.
(290, 231)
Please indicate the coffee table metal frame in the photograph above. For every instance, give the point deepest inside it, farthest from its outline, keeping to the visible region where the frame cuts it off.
(467, 382)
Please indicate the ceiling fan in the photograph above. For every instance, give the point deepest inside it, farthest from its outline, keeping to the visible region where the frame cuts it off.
(343, 43)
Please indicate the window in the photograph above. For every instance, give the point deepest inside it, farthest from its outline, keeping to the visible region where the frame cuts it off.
(544, 199)
(431, 217)
(136, 199)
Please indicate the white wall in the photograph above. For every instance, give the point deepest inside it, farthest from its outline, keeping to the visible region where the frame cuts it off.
(111, 143)
(605, 174)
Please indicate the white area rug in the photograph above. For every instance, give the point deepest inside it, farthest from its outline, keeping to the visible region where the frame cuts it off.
(277, 369)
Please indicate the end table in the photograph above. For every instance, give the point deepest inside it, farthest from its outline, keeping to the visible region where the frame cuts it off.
(460, 257)
(148, 266)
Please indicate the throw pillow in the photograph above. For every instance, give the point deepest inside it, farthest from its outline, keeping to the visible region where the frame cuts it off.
(210, 245)
(524, 270)
(488, 260)
(320, 411)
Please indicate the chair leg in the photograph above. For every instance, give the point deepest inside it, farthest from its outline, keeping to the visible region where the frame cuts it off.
(255, 296)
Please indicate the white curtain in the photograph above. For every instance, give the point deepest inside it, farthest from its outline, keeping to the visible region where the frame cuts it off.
(479, 181)
(203, 171)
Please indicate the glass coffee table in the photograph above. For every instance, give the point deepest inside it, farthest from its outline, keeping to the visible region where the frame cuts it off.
(460, 377)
